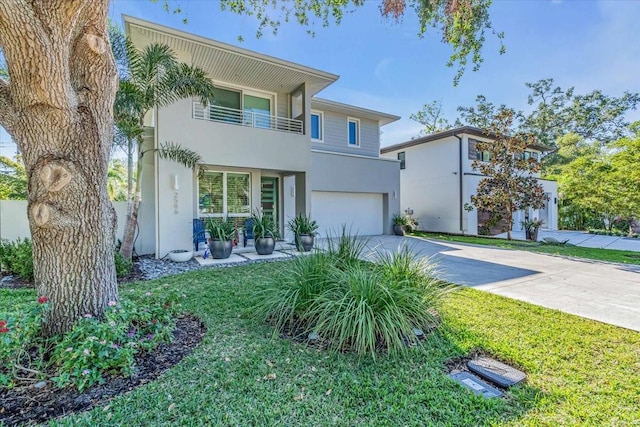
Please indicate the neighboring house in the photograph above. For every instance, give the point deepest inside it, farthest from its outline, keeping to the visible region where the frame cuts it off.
(266, 143)
(437, 181)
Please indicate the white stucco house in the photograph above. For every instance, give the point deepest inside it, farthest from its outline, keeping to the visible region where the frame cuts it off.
(266, 143)
(437, 180)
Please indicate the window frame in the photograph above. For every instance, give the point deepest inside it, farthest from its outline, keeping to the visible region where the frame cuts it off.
(403, 160)
(225, 194)
(357, 133)
(320, 115)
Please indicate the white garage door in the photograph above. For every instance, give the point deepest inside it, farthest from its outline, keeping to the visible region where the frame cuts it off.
(360, 211)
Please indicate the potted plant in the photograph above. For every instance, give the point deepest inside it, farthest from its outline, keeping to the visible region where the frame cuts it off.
(265, 233)
(400, 224)
(531, 228)
(304, 228)
(221, 235)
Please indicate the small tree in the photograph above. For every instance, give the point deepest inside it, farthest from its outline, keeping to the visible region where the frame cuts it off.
(150, 78)
(509, 183)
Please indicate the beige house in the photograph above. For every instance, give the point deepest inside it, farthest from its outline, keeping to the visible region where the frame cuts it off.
(266, 143)
(437, 181)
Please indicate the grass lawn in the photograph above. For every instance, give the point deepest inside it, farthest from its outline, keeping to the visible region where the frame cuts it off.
(611, 255)
(581, 372)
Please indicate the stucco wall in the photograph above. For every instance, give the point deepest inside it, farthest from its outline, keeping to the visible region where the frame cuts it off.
(352, 174)
(430, 186)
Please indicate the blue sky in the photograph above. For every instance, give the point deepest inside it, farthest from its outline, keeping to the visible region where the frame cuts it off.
(387, 67)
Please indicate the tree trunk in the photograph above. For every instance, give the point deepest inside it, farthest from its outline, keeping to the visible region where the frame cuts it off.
(128, 238)
(58, 107)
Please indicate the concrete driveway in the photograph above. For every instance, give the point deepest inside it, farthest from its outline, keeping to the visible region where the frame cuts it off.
(596, 290)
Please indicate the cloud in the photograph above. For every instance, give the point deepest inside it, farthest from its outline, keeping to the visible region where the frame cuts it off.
(383, 69)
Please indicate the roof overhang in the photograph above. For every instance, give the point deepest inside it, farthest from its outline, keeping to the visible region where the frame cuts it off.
(227, 63)
(459, 131)
(351, 110)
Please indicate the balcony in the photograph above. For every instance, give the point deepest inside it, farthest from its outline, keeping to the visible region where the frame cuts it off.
(215, 113)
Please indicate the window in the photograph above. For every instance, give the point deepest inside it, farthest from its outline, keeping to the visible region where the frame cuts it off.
(353, 130)
(316, 125)
(530, 155)
(257, 111)
(224, 194)
(483, 156)
(241, 107)
(401, 157)
(229, 103)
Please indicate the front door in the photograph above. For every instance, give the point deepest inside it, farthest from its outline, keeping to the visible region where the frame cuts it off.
(269, 196)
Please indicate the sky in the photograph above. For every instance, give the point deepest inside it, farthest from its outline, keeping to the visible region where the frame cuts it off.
(385, 66)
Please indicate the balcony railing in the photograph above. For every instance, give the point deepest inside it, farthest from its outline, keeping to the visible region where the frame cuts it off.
(215, 113)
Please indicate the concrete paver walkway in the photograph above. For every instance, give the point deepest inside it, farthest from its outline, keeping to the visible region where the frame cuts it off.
(596, 290)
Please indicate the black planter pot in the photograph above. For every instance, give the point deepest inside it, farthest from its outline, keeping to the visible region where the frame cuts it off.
(265, 245)
(304, 242)
(399, 230)
(220, 249)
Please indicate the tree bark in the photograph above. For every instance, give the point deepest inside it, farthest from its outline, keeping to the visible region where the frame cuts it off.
(57, 106)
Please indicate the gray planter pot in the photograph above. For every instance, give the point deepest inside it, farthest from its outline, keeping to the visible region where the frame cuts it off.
(304, 242)
(265, 245)
(399, 230)
(220, 249)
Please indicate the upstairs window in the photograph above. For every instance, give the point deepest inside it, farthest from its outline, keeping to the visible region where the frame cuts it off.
(530, 155)
(401, 157)
(353, 130)
(483, 156)
(316, 125)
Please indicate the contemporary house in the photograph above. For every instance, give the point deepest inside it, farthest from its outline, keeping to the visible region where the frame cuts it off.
(437, 181)
(266, 143)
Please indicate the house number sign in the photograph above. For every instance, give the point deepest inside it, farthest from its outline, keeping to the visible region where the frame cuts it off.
(175, 203)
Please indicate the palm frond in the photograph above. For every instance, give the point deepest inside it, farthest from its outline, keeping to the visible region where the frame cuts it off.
(184, 81)
(155, 60)
(177, 153)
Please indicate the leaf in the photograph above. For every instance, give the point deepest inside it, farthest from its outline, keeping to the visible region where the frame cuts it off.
(269, 377)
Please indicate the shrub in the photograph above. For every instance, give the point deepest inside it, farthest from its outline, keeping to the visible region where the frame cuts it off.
(92, 349)
(123, 265)
(346, 249)
(363, 308)
(17, 258)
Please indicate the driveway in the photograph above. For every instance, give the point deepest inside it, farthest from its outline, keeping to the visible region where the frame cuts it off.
(596, 290)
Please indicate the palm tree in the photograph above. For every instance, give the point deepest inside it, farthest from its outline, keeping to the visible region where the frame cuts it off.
(150, 78)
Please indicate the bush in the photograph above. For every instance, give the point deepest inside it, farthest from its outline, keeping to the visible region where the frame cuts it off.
(363, 308)
(92, 349)
(17, 258)
(123, 265)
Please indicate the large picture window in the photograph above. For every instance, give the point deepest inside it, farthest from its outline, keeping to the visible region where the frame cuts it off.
(225, 194)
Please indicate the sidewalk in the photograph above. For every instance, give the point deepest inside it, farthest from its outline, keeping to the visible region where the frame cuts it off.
(586, 240)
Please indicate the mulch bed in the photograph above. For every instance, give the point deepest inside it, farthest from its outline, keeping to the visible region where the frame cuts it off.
(35, 405)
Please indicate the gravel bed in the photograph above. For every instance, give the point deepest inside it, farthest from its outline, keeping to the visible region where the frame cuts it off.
(151, 268)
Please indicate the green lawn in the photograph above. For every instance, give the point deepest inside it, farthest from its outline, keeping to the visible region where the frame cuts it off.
(581, 372)
(610, 255)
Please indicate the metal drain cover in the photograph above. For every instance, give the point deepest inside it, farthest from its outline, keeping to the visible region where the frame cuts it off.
(496, 372)
(475, 384)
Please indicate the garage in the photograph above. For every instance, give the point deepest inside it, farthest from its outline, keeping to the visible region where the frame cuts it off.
(363, 212)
